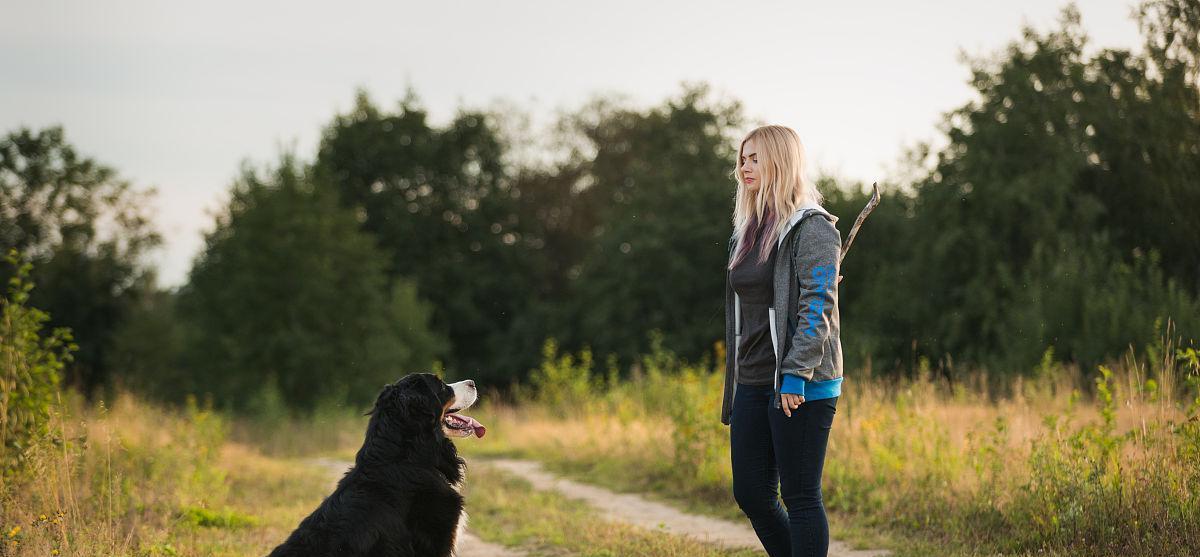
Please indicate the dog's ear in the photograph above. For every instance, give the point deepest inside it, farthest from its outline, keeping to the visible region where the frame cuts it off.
(416, 405)
(383, 395)
(411, 404)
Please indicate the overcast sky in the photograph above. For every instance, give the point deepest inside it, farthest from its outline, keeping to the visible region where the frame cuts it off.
(174, 95)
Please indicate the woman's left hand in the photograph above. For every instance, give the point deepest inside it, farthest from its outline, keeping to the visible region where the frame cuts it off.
(791, 402)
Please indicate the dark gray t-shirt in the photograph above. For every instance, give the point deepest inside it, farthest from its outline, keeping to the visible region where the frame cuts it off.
(756, 292)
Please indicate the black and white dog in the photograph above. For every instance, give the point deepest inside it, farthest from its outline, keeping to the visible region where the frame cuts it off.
(401, 496)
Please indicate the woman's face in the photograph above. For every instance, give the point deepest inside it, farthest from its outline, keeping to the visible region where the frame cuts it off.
(749, 165)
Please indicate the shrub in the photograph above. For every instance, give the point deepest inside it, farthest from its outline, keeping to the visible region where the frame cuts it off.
(30, 366)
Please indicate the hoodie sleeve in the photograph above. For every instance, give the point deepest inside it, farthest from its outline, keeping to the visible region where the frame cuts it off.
(818, 250)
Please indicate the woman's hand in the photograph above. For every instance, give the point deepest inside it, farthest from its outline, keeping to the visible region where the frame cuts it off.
(791, 402)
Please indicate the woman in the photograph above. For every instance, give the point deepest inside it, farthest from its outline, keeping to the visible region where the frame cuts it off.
(784, 356)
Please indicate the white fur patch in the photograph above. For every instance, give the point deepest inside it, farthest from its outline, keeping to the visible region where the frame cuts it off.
(464, 395)
(462, 532)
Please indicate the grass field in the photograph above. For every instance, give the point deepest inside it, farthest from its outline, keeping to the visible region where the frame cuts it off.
(138, 479)
(1048, 465)
(132, 478)
(1051, 465)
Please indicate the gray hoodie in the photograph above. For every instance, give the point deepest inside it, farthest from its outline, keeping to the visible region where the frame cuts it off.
(805, 322)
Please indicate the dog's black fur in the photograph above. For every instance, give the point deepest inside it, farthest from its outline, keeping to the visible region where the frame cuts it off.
(399, 499)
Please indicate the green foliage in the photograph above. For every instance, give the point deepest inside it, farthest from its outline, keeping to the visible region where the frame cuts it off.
(660, 193)
(1123, 490)
(694, 432)
(1060, 214)
(511, 254)
(441, 208)
(290, 296)
(86, 231)
(209, 518)
(880, 264)
(1090, 304)
(563, 381)
(146, 347)
(30, 366)
(159, 550)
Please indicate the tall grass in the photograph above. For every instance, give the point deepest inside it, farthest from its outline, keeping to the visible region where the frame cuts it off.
(1106, 463)
(276, 430)
(132, 478)
(1061, 461)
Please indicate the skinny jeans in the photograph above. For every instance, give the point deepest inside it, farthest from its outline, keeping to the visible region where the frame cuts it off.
(776, 456)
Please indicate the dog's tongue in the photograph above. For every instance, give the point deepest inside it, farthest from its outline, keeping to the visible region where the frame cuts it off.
(475, 425)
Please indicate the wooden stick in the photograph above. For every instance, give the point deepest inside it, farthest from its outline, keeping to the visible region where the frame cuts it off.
(862, 216)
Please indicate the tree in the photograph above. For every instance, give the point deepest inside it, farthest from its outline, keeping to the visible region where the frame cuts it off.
(1063, 190)
(85, 230)
(658, 201)
(440, 205)
(289, 295)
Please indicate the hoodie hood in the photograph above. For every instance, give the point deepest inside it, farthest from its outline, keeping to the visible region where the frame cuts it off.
(799, 215)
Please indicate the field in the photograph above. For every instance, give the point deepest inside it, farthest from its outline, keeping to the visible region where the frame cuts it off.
(136, 479)
(1050, 464)
(913, 465)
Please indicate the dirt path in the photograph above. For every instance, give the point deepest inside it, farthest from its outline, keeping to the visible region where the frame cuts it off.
(649, 514)
(469, 545)
(623, 507)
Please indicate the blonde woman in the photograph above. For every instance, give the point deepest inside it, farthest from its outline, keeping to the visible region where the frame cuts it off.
(784, 353)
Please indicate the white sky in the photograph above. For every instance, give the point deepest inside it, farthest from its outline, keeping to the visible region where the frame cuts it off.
(175, 95)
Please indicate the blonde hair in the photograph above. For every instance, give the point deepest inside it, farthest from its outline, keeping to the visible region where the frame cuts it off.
(783, 188)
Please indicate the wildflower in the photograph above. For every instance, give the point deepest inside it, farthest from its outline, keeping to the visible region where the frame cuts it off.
(15, 530)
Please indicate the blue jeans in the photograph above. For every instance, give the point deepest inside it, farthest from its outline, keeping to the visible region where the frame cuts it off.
(774, 455)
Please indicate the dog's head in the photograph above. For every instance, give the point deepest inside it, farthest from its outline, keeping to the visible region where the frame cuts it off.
(422, 400)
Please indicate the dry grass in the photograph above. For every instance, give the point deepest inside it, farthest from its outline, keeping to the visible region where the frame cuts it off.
(1047, 465)
(136, 479)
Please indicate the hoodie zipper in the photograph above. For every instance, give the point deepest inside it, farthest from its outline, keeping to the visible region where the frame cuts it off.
(774, 346)
(737, 337)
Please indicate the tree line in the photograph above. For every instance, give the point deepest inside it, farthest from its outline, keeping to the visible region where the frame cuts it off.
(1060, 220)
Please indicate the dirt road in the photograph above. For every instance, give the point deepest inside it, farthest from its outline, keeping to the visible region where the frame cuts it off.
(624, 507)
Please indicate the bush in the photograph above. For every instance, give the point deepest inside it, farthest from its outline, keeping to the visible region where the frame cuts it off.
(30, 366)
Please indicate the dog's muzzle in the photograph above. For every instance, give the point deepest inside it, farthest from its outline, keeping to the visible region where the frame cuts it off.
(457, 425)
